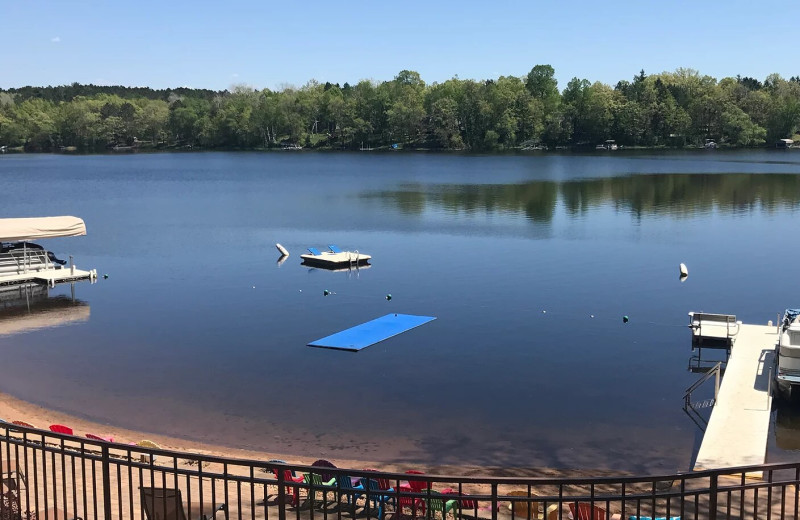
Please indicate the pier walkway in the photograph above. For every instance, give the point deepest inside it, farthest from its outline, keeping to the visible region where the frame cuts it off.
(737, 431)
(49, 277)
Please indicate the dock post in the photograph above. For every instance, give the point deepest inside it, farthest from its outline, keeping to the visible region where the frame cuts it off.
(769, 386)
(71, 266)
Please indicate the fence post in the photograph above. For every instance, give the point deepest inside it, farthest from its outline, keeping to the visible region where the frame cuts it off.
(106, 483)
(281, 495)
(494, 500)
(712, 498)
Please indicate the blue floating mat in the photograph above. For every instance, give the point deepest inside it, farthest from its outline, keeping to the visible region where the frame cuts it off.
(371, 332)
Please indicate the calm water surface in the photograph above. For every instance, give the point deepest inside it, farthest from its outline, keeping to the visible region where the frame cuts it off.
(528, 262)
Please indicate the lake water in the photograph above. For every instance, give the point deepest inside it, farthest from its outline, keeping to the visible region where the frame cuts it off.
(528, 262)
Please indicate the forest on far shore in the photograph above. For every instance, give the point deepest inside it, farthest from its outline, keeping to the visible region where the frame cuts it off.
(671, 109)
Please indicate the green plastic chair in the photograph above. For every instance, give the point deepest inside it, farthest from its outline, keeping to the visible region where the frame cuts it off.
(437, 503)
(316, 485)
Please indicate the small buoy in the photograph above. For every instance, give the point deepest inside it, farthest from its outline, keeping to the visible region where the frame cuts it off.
(388, 297)
(625, 319)
(684, 270)
(591, 315)
(105, 277)
(254, 287)
(282, 250)
(544, 312)
(326, 292)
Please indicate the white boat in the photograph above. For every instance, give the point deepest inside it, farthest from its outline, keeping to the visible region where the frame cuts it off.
(23, 261)
(787, 372)
(334, 257)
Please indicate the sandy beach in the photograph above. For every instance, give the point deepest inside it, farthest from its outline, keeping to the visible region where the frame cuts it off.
(13, 409)
(252, 501)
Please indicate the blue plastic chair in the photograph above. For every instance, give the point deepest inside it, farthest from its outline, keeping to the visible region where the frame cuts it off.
(349, 489)
(379, 495)
(335, 249)
(314, 251)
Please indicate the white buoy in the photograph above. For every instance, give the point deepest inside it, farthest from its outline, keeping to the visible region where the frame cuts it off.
(684, 270)
(284, 252)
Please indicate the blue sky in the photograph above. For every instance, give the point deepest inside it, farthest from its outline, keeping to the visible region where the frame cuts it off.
(271, 44)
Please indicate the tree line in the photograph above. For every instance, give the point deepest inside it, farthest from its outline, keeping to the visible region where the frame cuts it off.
(671, 109)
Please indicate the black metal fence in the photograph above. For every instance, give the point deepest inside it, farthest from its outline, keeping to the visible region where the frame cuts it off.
(49, 476)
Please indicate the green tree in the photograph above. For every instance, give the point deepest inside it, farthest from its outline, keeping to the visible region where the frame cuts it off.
(542, 85)
(739, 130)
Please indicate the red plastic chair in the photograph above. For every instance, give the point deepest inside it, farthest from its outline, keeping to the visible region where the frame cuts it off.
(60, 428)
(587, 511)
(415, 486)
(99, 437)
(292, 492)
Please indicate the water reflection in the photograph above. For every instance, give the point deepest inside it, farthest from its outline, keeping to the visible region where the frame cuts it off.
(29, 307)
(677, 195)
(787, 426)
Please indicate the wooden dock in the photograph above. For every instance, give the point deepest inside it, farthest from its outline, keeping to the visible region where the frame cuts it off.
(737, 431)
(49, 277)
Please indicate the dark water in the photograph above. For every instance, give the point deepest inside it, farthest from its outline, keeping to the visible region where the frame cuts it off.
(528, 262)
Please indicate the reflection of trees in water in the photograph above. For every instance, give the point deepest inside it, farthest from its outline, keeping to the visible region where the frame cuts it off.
(685, 194)
(658, 194)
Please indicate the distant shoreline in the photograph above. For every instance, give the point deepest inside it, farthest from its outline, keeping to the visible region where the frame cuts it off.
(583, 150)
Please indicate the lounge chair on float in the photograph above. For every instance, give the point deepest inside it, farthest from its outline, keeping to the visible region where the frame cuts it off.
(335, 249)
(166, 504)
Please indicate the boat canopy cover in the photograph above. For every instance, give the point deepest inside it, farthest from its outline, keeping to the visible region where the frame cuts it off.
(789, 316)
(22, 229)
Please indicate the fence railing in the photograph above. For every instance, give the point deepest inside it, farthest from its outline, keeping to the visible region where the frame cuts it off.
(49, 476)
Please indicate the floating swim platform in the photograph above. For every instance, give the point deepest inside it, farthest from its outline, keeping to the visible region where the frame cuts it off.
(371, 332)
(334, 258)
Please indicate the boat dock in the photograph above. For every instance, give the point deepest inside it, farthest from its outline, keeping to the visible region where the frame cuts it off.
(736, 434)
(50, 277)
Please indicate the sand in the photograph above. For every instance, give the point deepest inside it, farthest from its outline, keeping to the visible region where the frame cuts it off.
(245, 502)
(12, 409)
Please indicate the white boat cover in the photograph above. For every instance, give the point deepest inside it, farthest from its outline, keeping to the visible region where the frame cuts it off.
(21, 229)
